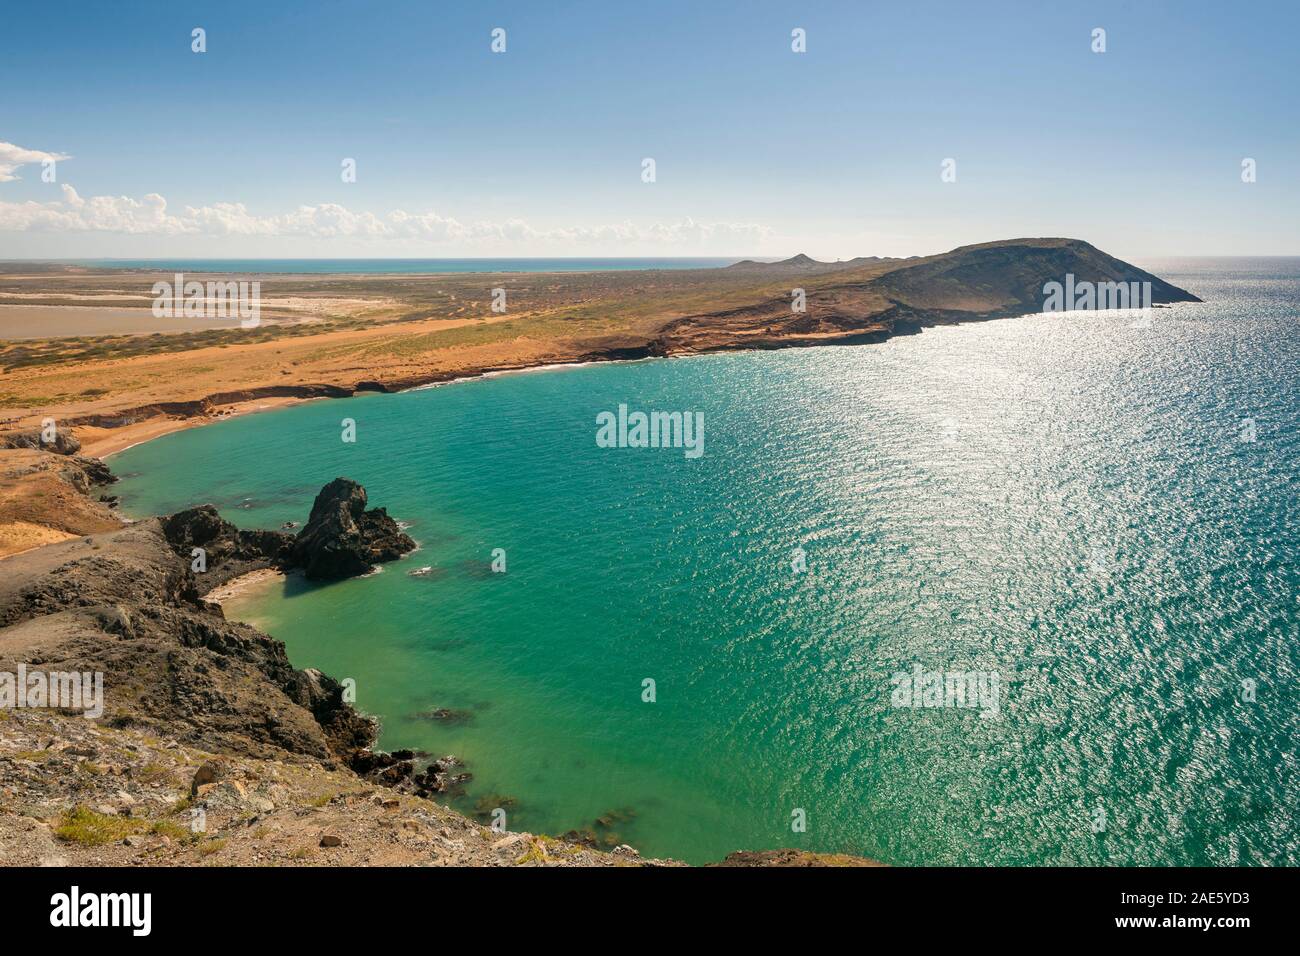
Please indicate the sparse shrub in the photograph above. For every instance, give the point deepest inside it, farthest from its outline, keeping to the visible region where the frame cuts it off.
(88, 828)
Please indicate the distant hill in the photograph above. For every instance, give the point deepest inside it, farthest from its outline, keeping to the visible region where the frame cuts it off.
(803, 264)
(800, 264)
(870, 298)
(1010, 274)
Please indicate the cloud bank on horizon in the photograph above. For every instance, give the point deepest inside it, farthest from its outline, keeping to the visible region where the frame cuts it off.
(149, 215)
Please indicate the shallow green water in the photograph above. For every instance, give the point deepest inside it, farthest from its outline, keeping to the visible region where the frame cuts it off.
(1063, 500)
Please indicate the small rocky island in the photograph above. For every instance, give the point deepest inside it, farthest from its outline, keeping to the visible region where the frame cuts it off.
(340, 540)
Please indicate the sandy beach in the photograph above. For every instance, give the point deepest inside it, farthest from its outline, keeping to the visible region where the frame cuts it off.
(101, 442)
(253, 580)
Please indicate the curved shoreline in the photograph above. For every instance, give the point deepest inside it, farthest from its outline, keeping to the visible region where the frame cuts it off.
(156, 420)
(745, 307)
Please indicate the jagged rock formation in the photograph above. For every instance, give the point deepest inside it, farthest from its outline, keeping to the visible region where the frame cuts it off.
(128, 603)
(228, 551)
(202, 713)
(342, 539)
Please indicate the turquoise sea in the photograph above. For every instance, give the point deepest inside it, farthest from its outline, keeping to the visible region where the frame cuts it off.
(1069, 502)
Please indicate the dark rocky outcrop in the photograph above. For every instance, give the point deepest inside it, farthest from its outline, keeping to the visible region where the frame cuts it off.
(349, 732)
(342, 539)
(440, 778)
(228, 551)
(86, 473)
(128, 603)
(123, 603)
(447, 715)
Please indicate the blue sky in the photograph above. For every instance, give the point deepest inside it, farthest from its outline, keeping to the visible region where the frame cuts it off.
(835, 152)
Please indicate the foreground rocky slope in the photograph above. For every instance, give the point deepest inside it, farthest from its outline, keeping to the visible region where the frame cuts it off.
(202, 719)
(75, 792)
(122, 602)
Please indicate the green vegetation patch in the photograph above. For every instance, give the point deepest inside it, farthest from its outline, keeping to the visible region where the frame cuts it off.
(86, 827)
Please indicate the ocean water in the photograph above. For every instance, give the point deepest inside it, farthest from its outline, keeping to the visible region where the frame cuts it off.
(1067, 503)
(404, 266)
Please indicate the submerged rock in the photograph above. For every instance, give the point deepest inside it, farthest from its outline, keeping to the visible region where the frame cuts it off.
(342, 539)
(438, 778)
(447, 715)
(486, 806)
(586, 837)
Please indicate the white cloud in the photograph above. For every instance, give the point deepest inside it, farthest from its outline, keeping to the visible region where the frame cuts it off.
(11, 157)
(96, 214)
(150, 215)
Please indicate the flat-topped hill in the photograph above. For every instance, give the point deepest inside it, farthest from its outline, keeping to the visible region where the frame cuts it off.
(869, 299)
